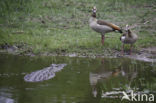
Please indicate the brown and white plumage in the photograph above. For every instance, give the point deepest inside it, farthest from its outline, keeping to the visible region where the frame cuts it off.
(128, 37)
(102, 26)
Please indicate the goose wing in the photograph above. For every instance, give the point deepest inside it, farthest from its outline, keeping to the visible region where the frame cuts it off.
(113, 26)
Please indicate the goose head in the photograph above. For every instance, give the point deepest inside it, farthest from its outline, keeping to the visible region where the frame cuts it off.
(94, 12)
(126, 31)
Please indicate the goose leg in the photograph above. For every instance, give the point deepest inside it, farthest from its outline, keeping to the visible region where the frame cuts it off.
(102, 39)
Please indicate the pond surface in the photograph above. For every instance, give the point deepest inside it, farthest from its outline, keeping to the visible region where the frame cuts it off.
(82, 80)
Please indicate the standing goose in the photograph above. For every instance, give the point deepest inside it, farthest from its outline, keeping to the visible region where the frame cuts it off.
(128, 37)
(101, 26)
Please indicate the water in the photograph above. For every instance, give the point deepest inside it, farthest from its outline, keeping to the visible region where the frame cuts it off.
(82, 80)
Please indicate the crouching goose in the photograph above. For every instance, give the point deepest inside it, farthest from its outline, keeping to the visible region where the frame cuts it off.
(101, 26)
(128, 37)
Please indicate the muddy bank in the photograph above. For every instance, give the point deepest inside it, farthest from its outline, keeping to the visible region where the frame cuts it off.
(144, 54)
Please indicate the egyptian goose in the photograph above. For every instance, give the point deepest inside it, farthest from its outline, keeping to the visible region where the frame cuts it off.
(101, 26)
(128, 37)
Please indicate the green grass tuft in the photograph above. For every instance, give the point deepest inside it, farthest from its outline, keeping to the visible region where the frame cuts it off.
(62, 25)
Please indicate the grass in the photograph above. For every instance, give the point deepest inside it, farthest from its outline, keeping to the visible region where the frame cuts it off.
(62, 26)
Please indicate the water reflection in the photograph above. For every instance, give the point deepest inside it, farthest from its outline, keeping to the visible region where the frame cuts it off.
(6, 97)
(6, 100)
(105, 75)
(110, 82)
(84, 80)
